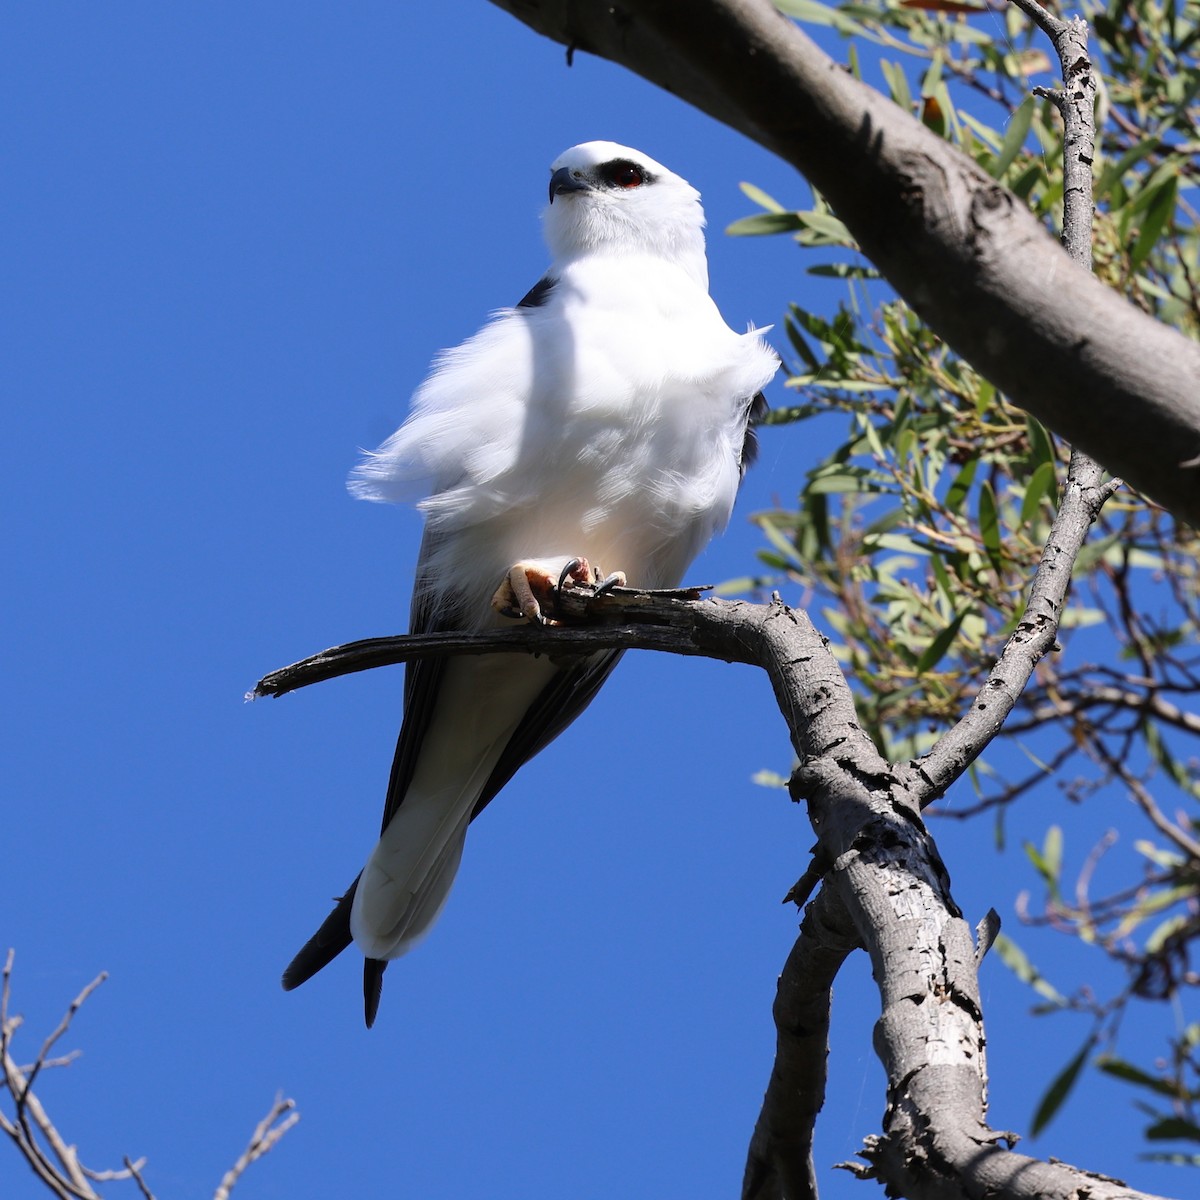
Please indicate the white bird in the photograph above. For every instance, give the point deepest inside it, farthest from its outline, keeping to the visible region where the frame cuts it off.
(607, 418)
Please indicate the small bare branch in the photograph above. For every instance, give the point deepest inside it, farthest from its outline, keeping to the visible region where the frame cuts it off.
(267, 1134)
(133, 1171)
(32, 1131)
(1085, 491)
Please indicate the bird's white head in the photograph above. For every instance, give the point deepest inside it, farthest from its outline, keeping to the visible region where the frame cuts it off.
(606, 198)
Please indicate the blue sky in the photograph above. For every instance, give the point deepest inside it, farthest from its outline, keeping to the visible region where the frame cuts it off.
(233, 236)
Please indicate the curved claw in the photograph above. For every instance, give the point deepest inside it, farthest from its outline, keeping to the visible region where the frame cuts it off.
(571, 571)
(615, 580)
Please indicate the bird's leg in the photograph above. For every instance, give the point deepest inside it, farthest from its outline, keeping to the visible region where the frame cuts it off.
(532, 582)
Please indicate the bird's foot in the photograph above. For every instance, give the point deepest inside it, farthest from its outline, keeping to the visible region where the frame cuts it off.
(532, 584)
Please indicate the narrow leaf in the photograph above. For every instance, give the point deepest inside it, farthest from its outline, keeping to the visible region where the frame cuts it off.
(761, 198)
(1014, 137)
(1060, 1089)
(765, 223)
(940, 644)
(1170, 1128)
(1158, 213)
(961, 485)
(1118, 1068)
(989, 523)
(1041, 448)
(1041, 484)
(1015, 959)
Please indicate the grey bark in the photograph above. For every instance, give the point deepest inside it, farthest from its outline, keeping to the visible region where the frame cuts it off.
(964, 252)
(886, 889)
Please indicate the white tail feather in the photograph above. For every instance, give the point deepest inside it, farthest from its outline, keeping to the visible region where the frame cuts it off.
(408, 877)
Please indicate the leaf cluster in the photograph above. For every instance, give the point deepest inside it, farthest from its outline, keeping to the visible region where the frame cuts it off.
(918, 534)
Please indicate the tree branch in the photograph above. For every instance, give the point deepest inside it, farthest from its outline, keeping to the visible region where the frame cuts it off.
(966, 254)
(31, 1130)
(884, 872)
(780, 1162)
(1085, 491)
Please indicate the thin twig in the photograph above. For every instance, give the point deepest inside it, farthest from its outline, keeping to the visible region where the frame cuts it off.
(133, 1170)
(1085, 491)
(267, 1134)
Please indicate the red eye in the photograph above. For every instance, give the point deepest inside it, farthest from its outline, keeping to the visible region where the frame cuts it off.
(625, 175)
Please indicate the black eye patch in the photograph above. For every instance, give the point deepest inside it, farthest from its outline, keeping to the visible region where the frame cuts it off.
(622, 173)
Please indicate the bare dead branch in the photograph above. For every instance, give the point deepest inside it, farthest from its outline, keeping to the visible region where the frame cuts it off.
(267, 1134)
(133, 1170)
(631, 619)
(37, 1138)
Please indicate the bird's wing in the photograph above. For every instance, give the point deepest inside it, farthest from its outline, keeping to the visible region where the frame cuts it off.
(555, 707)
(756, 412)
(422, 678)
(538, 294)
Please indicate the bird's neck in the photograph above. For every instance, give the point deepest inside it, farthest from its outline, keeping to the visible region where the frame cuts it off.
(688, 259)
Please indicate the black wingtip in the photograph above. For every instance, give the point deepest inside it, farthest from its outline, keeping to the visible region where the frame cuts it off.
(324, 946)
(755, 415)
(373, 970)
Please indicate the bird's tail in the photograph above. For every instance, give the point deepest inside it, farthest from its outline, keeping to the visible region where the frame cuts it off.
(408, 877)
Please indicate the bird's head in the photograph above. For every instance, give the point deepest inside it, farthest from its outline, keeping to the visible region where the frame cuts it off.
(609, 198)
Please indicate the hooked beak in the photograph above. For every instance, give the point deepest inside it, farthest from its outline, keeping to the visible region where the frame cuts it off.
(562, 181)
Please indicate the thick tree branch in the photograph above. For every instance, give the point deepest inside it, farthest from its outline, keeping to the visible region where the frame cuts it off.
(884, 873)
(965, 253)
(780, 1162)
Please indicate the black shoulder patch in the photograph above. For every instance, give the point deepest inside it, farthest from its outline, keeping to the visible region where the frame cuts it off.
(538, 294)
(755, 412)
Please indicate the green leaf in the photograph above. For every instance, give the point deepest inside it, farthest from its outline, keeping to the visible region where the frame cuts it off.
(1168, 929)
(1158, 212)
(1048, 860)
(1114, 172)
(765, 223)
(961, 485)
(1060, 1088)
(761, 198)
(771, 779)
(813, 13)
(897, 83)
(940, 644)
(989, 523)
(794, 335)
(1173, 1128)
(1014, 958)
(984, 397)
(846, 479)
(844, 271)
(778, 539)
(1159, 208)
(1014, 137)
(1041, 448)
(1118, 1068)
(1041, 484)
(1167, 859)
(826, 224)
(942, 578)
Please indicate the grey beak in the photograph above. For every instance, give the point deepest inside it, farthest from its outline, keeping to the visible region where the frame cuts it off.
(563, 181)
